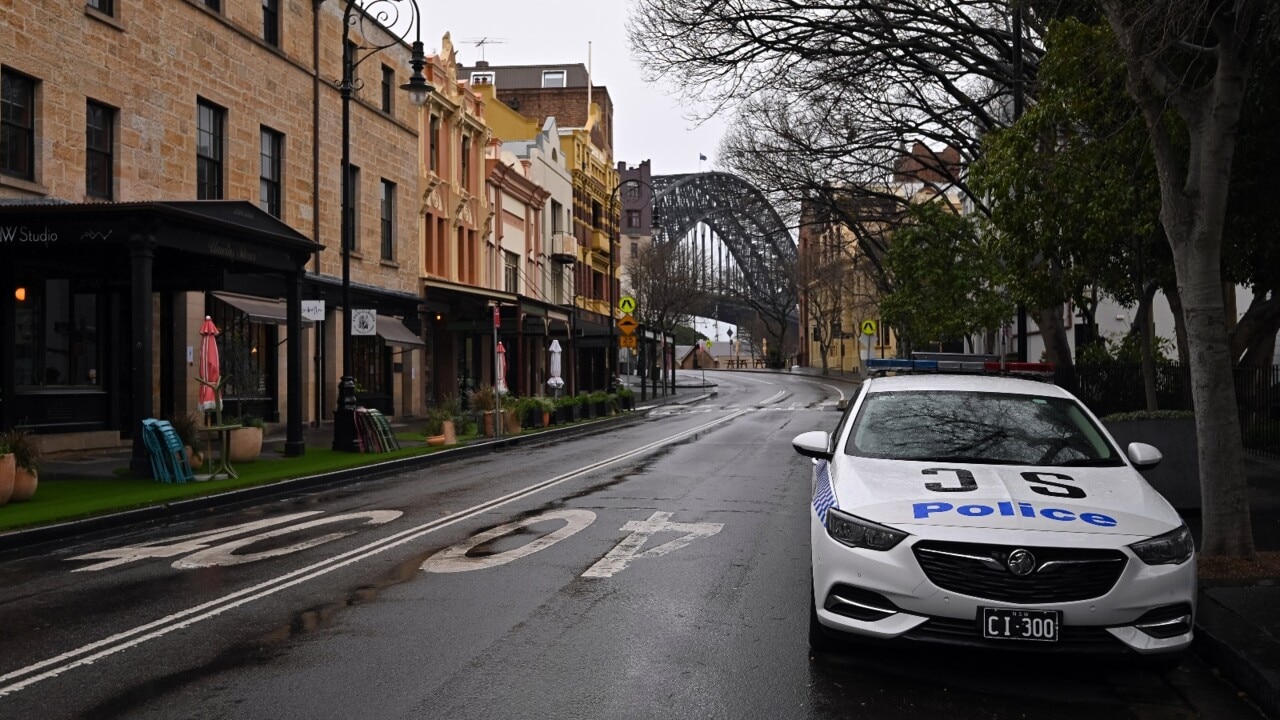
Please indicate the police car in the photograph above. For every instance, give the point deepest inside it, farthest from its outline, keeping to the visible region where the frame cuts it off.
(982, 509)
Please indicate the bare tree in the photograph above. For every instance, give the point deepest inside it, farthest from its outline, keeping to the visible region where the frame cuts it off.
(1190, 58)
(663, 277)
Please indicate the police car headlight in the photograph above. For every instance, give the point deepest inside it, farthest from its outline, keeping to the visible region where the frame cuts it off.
(1171, 548)
(859, 533)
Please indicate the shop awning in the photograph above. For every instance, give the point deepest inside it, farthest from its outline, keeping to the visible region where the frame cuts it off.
(264, 310)
(393, 332)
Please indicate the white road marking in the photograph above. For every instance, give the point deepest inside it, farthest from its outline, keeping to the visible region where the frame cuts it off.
(171, 547)
(25, 677)
(454, 558)
(627, 551)
(224, 555)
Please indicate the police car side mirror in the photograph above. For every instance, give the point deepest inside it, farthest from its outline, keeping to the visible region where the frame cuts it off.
(814, 444)
(842, 405)
(1144, 456)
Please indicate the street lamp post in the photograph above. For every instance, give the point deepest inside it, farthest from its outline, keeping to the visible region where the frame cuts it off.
(385, 14)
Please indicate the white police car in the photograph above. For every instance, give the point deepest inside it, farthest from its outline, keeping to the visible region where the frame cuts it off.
(992, 511)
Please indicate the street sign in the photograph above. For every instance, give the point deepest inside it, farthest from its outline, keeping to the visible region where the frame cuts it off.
(313, 310)
(708, 346)
(627, 324)
(627, 341)
(868, 327)
(627, 304)
(497, 317)
(364, 321)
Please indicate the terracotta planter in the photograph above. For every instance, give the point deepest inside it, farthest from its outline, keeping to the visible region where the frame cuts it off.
(196, 459)
(8, 468)
(488, 423)
(510, 422)
(448, 435)
(24, 484)
(246, 444)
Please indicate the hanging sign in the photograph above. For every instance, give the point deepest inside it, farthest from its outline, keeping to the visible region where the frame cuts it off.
(313, 310)
(364, 321)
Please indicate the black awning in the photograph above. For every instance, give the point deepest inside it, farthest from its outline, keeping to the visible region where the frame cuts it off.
(394, 332)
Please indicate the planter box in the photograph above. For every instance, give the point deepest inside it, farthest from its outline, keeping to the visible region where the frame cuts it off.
(1177, 477)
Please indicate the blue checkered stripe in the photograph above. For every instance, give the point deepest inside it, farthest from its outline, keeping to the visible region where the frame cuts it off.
(824, 497)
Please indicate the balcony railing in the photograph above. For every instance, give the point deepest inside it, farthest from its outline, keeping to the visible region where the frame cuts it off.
(564, 247)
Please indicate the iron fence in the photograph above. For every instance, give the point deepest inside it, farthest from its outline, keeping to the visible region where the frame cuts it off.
(1111, 388)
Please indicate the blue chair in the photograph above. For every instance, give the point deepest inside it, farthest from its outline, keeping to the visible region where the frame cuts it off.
(155, 451)
(176, 452)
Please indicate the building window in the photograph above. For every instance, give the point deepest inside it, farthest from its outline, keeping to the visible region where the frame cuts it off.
(557, 210)
(481, 78)
(466, 162)
(388, 87)
(370, 363)
(433, 137)
(510, 272)
(271, 161)
(633, 218)
(106, 7)
(17, 125)
(99, 163)
(552, 78)
(271, 22)
(597, 215)
(557, 284)
(213, 4)
(635, 249)
(210, 120)
(388, 220)
(352, 206)
(57, 335)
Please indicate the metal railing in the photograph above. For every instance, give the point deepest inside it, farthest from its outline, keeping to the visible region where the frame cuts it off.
(1112, 388)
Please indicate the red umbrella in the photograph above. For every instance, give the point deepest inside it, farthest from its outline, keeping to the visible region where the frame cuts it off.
(210, 399)
(501, 383)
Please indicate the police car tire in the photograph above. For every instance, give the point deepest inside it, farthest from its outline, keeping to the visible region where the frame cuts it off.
(820, 639)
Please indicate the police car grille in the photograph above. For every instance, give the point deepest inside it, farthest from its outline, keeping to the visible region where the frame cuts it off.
(967, 632)
(1061, 575)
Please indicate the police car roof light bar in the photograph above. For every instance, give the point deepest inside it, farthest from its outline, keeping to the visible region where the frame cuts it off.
(897, 366)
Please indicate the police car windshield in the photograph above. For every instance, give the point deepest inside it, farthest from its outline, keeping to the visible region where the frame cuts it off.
(978, 427)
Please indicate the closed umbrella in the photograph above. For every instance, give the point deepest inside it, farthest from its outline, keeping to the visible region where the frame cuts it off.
(555, 380)
(210, 372)
(500, 384)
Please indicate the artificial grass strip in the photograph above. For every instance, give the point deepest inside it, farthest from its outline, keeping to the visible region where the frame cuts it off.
(63, 499)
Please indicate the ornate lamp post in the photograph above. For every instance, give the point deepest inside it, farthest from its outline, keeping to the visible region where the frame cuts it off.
(385, 14)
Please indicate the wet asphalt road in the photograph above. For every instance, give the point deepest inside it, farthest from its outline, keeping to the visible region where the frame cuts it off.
(670, 582)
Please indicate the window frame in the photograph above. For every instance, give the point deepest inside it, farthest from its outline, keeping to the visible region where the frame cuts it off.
(433, 140)
(353, 200)
(105, 7)
(387, 220)
(510, 272)
(269, 139)
(465, 169)
(271, 22)
(552, 74)
(388, 89)
(26, 129)
(206, 188)
(105, 154)
(214, 5)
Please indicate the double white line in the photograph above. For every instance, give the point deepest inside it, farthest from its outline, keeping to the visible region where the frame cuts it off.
(25, 677)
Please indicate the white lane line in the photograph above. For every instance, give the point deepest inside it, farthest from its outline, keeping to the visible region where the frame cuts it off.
(88, 654)
(825, 385)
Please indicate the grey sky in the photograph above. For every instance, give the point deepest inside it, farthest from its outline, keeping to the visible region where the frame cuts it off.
(648, 122)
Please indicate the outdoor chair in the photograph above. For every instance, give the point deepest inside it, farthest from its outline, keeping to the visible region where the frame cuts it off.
(168, 455)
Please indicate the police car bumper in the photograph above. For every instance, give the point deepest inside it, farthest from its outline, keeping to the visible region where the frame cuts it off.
(1149, 609)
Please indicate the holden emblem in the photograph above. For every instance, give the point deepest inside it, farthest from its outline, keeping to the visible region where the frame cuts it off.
(1021, 562)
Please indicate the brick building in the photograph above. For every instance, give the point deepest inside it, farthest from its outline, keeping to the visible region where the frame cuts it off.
(184, 161)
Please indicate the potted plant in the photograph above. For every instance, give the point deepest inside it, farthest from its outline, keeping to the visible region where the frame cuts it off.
(440, 426)
(484, 400)
(627, 398)
(547, 408)
(26, 458)
(187, 428)
(246, 441)
(566, 407)
(510, 414)
(8, 467)
(599, 403)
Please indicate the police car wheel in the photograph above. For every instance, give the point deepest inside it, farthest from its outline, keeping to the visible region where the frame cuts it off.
(820, 639)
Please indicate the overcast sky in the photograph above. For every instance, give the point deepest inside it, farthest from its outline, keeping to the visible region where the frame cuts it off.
(648, 123)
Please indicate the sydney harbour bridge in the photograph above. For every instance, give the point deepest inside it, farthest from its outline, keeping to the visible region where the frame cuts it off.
(747, 254)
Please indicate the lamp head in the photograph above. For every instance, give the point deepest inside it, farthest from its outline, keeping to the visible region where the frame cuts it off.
(417, 87)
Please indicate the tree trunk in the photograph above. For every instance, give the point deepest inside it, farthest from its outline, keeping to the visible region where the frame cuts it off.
(1056, 346)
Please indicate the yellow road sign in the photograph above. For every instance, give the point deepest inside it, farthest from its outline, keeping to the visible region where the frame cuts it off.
(627, 341)
(868, 327)
(627, 304)
(627, 324)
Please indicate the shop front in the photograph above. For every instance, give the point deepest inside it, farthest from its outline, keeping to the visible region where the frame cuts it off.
(100, 300)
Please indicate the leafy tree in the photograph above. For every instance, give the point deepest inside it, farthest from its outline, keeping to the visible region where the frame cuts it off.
(944, 279)
(1190, 60)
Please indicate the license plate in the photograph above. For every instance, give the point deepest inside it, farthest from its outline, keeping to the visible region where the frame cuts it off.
(1008, 624)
